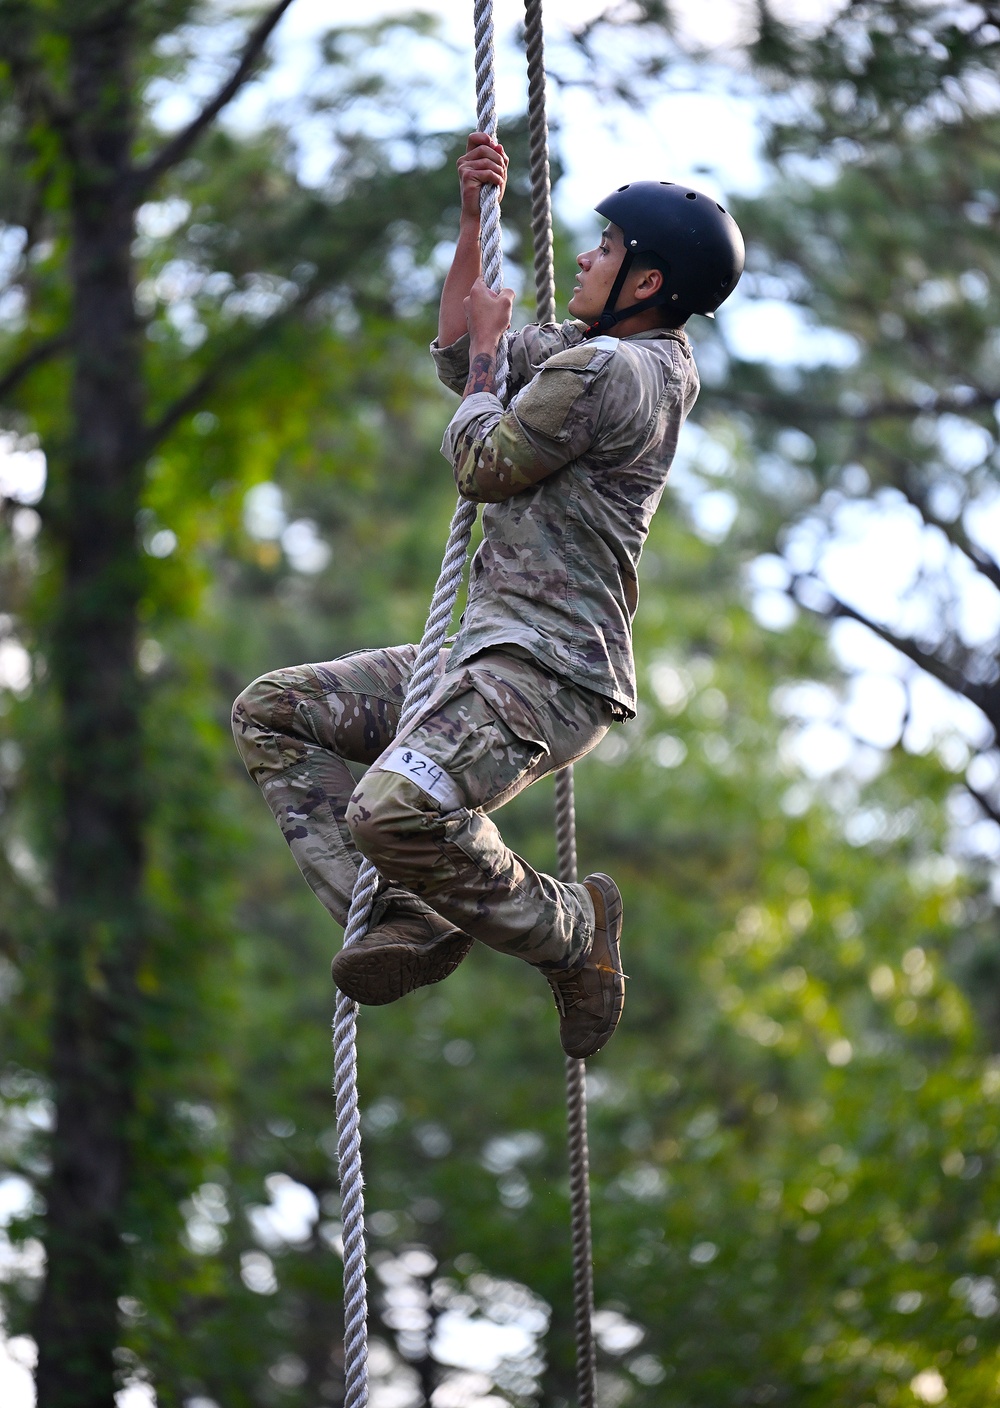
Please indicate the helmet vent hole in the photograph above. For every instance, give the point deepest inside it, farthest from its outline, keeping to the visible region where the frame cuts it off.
(692, 195)
(720, 207)
(625, 187)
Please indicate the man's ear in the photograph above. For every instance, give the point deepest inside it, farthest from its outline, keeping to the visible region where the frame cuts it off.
(650, 282)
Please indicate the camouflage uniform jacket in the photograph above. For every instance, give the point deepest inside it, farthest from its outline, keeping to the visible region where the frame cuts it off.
(571, 471)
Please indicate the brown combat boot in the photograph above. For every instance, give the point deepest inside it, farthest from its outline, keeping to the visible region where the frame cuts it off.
(402, 952)
(591, 996)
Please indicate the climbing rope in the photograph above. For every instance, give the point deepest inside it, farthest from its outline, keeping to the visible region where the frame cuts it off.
(576, 1089)
(538, 165)
(345, 1022)
(576, 1125)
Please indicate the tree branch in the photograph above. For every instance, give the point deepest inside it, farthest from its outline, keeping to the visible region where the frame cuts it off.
(991, 811)
(781, 407)
(237, 353)
(40, 353)
(143, 177)
(904, 479)
(958, 538)
(189, 400)
(952, 678)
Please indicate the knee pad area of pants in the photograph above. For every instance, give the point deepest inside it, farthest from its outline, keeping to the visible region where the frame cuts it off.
(260, 702)
(395, 825)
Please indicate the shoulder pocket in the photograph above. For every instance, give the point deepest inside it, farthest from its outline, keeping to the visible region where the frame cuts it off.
(545, 404)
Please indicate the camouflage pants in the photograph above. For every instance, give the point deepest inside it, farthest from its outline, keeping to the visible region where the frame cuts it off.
(490, 728)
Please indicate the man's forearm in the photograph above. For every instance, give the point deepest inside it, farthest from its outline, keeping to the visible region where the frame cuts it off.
(465, 268)
(482, 371)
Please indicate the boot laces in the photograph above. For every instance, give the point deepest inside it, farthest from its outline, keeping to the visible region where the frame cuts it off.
(568, 991)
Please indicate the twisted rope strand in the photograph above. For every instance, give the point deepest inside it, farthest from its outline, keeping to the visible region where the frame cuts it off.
(538, 165)
(576, 1093)
(583, 1255)
(421, 684)
(486, 120)
(345, 1079)
(576, 1122)
(566, 826)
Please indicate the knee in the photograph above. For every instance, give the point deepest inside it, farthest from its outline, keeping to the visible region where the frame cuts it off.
(386, 820)
(259, 706)
(261, 718)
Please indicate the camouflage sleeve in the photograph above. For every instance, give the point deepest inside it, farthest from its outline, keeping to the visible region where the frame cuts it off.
(527, 349)
(497, 453)
(452, 363)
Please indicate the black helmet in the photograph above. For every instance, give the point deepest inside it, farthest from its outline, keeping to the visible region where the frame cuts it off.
(698, 241)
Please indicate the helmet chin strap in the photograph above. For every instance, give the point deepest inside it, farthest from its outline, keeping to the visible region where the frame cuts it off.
(609, 318)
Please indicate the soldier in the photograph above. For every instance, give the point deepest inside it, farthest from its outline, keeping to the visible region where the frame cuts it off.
(571, 467)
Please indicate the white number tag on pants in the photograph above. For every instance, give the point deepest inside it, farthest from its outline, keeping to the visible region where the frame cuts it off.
(429, 776)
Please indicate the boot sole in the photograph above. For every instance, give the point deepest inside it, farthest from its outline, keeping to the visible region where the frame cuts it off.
(376, 975)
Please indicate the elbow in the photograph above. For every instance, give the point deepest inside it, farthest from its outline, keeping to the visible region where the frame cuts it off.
(477, 492)
(465, 481)
(468, 482)
(481, 478)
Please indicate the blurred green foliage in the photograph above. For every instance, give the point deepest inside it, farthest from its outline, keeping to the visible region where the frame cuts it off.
(794, 1132)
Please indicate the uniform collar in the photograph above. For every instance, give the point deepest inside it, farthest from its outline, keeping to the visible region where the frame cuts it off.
(653, 335)
(657, 335)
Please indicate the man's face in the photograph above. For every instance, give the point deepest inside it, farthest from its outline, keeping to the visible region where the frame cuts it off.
(598, 268)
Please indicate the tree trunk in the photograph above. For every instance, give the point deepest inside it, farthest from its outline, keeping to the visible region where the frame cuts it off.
(98, 850)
